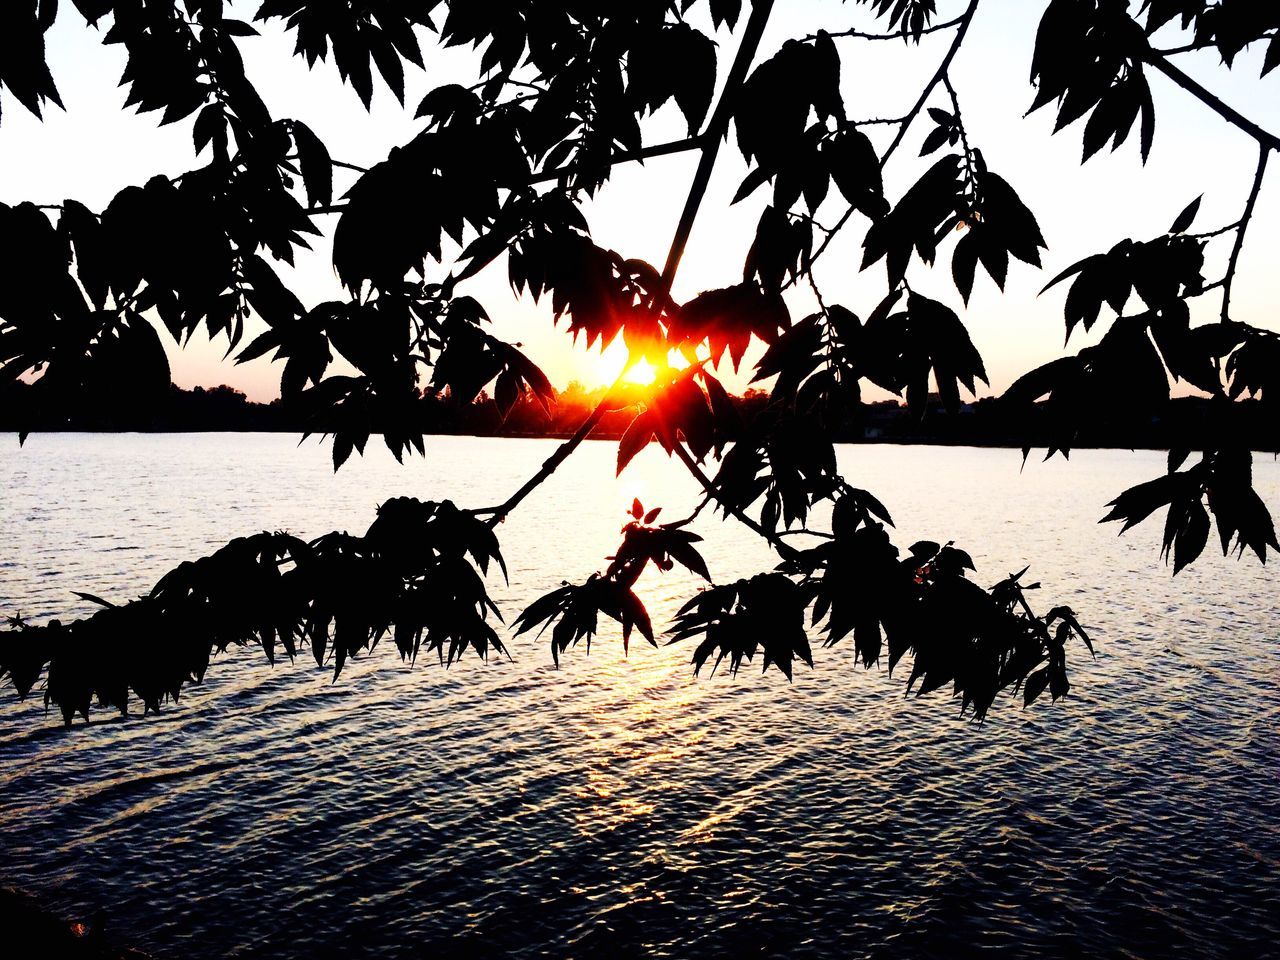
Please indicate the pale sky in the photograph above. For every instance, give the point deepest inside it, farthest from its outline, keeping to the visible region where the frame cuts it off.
(94, 149)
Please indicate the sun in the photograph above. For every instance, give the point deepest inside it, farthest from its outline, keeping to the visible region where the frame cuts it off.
(604, 368)
(642, 373)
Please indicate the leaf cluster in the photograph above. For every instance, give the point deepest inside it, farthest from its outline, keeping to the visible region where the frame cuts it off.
(416, 574)
(575, 609)
(1089, 57)
(857, 583)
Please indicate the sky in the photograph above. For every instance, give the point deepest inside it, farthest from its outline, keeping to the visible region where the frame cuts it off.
(95, 148)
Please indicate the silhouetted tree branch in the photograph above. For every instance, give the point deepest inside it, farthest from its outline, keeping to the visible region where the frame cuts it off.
(904, 34)
(553, 462)
(501, 168)
(1264, 153)
(1162, 63)
(715, 132)
(963, 22)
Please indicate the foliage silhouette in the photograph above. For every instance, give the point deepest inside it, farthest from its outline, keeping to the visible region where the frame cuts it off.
(504, 166)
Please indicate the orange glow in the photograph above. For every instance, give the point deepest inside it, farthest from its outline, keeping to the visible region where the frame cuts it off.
(603, 368)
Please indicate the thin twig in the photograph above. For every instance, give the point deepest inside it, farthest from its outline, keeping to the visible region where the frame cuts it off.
(897, 35)
(1264, 153)
(964, 136)
(955, 105)
(1210, 234)
(553, 462)
(817, 295)
(697, 511)
(785, 550)
(1185, 48)
(806, 218)
(626, 156)
(1199, 45)
(966, 19)
(348, 166)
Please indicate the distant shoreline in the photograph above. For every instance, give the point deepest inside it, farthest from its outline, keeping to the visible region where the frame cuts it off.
(1184, 423)
(613, 436)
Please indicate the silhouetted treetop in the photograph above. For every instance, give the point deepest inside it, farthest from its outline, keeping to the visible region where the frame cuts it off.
(504, 166)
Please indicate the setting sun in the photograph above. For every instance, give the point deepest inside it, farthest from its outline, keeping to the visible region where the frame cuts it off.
(603, 368)
(642, 373)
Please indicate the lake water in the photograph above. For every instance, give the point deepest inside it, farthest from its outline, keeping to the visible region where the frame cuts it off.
(511, 809)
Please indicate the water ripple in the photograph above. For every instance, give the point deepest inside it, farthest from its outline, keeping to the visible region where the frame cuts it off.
(514, 810)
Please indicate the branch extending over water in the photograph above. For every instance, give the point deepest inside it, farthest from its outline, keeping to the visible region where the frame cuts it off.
(553, 462)
(785, 550)
(709, 141)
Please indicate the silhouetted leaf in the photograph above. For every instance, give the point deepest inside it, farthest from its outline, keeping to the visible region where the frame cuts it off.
(635, 439)
(1183, 223)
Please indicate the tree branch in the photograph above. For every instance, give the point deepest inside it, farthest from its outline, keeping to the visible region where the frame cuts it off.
(966, 19)
(709, 140)
(1224, 110)
(1185, 48)
(785, 550)
(626, 156)
(697, 512)
(1210, 234)
(553, 462)
(873, 121)
(963, 21)
(716, 130)
(1198, 45)
(1264, 153)
(901, 35)
(348, 166)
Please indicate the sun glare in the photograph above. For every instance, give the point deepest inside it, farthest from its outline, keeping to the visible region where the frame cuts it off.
(642, 373)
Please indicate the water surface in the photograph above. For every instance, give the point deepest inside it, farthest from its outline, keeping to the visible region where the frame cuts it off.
(511, 809)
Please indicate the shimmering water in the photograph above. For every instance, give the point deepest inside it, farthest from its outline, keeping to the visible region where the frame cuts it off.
(510, 809)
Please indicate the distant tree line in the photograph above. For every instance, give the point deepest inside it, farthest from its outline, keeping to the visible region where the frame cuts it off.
(1186, 421)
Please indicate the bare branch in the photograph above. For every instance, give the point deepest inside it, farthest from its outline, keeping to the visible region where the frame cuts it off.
(553, 462)
(1223, 109)
(903, 35)
(785, 550)
(348, 166)
(1264, 153)
(1199, 45)
(1210, 234)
